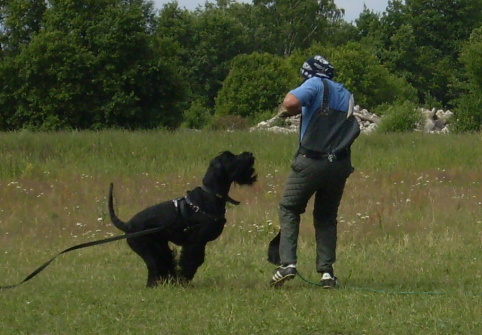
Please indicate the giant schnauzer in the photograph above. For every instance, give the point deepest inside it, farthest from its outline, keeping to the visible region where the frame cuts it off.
(190, 221)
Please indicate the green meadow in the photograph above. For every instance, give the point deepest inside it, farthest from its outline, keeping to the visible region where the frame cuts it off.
(409, 251)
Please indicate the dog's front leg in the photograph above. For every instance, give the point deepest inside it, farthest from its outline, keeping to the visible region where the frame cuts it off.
(192, 257)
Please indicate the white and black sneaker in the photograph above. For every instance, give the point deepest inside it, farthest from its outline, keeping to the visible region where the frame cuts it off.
(283, 273)
(328, 280)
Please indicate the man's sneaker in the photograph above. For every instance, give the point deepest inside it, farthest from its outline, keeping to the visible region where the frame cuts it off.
(283, 273)
(328, 280)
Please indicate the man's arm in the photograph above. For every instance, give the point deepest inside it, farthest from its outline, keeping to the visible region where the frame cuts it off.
(289, 107)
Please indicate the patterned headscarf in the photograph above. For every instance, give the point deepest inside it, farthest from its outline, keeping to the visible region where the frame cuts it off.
(317, 66)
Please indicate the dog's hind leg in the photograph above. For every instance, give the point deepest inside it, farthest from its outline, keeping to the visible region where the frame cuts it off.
(145, 252)
(156, 255)
(164, 258)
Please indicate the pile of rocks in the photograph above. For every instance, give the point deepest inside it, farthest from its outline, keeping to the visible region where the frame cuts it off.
(434, 121)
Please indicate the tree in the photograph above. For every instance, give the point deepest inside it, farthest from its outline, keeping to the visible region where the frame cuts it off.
(209, 39)
(443, 25)
(471, 57)
(421, 41)
(394, 17)
(367, 23)
(468, 110)
(19, 21)
(254, 87)
(296, 24)
(92, 65)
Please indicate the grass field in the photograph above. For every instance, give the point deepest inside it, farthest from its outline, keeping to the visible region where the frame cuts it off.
(409, 255)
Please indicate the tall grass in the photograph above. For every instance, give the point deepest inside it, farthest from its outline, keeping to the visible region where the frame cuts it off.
(409, 255)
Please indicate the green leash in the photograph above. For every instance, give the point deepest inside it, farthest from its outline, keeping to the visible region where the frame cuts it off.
(386, 291)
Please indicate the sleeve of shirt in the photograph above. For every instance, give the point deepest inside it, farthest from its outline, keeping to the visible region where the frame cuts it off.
(307, 91)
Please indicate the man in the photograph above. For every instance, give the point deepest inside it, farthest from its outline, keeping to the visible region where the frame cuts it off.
(320, 167)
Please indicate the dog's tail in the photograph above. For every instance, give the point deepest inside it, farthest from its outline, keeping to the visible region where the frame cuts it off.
(113, 217)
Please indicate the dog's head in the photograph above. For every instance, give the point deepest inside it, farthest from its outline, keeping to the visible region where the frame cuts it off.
(227, 168)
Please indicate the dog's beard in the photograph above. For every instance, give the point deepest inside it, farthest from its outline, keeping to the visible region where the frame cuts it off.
(244, 180)
(245, 173)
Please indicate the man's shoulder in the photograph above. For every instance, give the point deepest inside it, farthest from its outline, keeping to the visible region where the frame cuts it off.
(332, 85)
(337, 87)
(337, 84)
(313, 82)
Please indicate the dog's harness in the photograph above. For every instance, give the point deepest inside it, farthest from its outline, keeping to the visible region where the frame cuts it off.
(186, 208)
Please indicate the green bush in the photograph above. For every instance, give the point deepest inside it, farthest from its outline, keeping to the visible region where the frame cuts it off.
(468, 114)
(255, 85)
(468, 111)
(400, 118)
(197, 116)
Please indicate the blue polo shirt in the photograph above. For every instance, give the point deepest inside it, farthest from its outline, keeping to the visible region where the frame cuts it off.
(310, 95)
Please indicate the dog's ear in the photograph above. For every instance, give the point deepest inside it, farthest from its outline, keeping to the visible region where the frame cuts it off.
(216, 171)
(226, 155)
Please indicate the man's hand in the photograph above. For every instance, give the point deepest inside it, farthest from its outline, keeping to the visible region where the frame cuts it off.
(282, 112)
(290, 106)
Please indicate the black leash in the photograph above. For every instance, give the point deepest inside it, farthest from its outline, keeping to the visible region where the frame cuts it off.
(369, 289)
(81, 246)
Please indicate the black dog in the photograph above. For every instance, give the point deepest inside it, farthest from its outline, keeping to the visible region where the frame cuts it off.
(190, 221)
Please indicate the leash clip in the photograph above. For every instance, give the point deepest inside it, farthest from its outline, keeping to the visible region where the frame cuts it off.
(331, 158)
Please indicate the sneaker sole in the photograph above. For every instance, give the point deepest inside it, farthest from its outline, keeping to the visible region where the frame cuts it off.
(281, 281)
(332, 286)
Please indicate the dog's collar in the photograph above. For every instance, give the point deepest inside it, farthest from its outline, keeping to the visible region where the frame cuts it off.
(220, 196)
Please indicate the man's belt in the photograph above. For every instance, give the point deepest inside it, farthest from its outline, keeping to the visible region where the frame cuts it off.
(323, 155)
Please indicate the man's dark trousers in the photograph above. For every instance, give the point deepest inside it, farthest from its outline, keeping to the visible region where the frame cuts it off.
(326, 180)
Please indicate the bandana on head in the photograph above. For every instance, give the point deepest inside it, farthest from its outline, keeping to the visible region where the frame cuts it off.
(317, 66)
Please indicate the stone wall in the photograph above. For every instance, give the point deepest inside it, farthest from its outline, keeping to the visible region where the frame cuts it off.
(434, 121)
